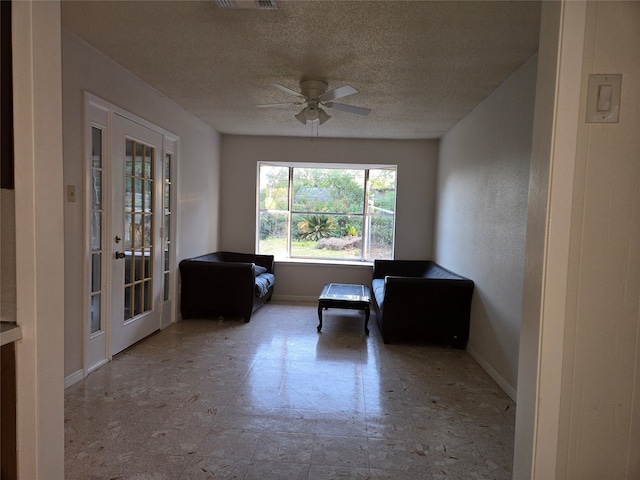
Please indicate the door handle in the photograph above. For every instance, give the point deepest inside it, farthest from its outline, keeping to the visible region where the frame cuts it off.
(119, 255)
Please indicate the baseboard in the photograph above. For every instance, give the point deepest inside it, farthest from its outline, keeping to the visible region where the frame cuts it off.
(104, 361)
(504, 385)
(74, 378)
(294, 298)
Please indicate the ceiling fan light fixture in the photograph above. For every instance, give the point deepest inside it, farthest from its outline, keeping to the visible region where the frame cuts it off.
(323, 116)
(301, 116)
(311, 113)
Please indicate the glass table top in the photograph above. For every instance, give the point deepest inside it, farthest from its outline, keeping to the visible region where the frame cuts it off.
(345, 291)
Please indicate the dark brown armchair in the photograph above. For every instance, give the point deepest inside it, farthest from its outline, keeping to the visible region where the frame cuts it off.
(225, 283)
(420, 300)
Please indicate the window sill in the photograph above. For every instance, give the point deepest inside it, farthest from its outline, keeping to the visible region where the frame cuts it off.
(326, 262)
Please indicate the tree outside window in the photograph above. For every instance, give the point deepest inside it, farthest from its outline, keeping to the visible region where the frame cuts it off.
(326, 211)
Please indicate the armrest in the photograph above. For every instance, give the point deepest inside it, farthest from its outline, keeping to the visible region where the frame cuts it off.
(427, 294)
(266, 261)
(400, 268)
(216, 286)
(393, 282)
(217, 273)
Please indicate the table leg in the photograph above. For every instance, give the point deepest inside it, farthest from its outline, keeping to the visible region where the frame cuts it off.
(320, 317)
(367, 312)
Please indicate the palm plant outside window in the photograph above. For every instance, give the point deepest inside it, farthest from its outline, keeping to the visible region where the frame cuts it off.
(328, 211)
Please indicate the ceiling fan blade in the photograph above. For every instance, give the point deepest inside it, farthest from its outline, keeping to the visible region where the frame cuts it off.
(349, 108)
(287, 104)
(337, 93)
(287, 90)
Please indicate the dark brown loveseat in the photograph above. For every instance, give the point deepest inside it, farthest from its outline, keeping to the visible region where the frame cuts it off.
(420, 300)
(225, 283)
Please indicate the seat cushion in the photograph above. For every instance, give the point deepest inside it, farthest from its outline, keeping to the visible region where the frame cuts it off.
(263, 283)
(377, 285)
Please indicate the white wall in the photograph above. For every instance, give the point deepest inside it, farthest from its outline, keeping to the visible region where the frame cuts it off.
(416, 160)
(39, 238)
(483, 182)
(600, 409)
(535, 408)
(578, 397)
(84, 68)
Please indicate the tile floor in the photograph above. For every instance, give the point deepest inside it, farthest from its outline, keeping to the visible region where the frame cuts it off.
(273, 399)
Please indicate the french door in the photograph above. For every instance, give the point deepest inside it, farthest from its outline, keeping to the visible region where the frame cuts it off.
(130, 248)
(136, 244)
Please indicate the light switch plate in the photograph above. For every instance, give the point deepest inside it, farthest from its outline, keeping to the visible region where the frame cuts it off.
(603, 98)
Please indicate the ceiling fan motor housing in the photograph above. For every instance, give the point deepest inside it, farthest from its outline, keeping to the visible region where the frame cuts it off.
(312, 89)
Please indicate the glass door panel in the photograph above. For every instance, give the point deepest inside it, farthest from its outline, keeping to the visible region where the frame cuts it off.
(97, 217)
(138, 223)
(166, 228)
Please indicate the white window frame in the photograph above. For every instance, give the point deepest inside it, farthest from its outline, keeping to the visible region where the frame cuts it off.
(366, 168)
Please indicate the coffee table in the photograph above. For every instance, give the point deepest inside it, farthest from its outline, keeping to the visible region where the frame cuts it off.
(345, 295)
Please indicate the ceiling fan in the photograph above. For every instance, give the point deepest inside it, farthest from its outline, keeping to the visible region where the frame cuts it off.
(315, 98)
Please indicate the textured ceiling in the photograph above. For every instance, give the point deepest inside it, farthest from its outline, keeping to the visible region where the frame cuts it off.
(420, 66)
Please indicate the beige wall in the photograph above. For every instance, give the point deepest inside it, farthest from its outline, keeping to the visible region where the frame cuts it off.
(483, 182)
(84, 68)
(416, 160)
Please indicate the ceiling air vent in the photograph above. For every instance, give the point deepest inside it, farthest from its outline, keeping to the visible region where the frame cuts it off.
(226, 3)
(267, 4)
(247, 4)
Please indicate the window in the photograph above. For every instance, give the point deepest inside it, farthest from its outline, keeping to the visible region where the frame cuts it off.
(328, 211)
